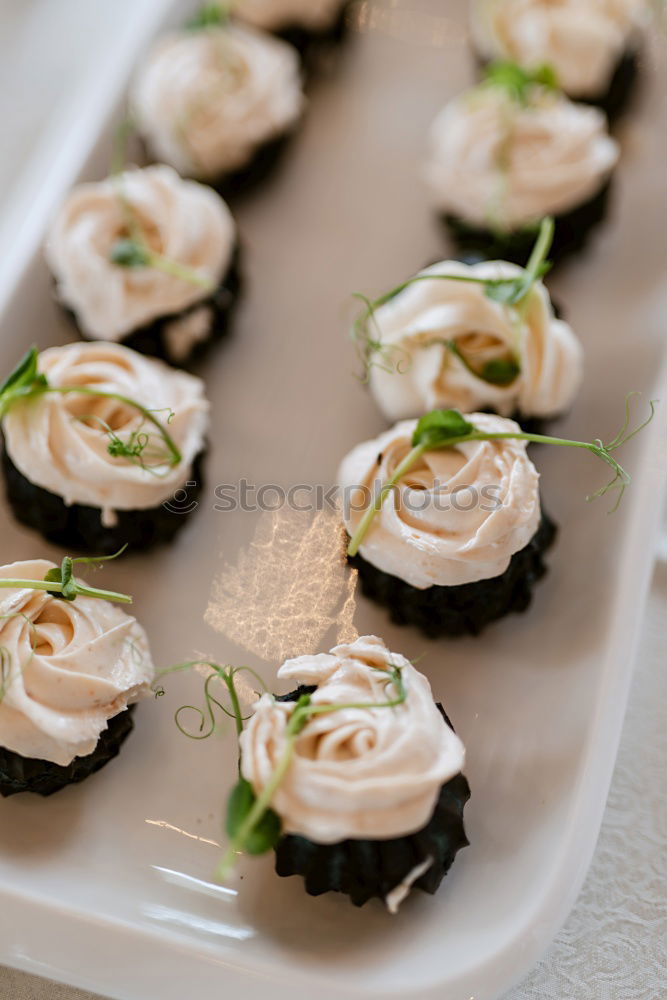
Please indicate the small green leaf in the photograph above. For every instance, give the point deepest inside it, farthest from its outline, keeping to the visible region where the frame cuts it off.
(54, 576)
(501, 371)
(212, 15)
(507, 292)
(70, 588)
(265, 834)
(546, 76)
(129, 253)
(517, 81)
(63, 574)
(241, 801)
(24, 373)
(439, 426)
(23, 380)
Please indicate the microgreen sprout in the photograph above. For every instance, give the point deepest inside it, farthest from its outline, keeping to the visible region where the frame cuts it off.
(26, 383)
(226, 675)
(513, 293)
(251, 824)
(449, 428)
(133, 253)
(211, 15)
(517, 81)
(60, 581)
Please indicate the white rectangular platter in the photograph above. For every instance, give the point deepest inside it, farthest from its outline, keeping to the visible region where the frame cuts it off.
(107, 886)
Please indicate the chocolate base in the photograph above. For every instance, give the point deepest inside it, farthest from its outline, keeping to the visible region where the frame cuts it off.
(79, 528)
(367, 869)
(266, 159)
(151, 339)
(572, 230)
(622, 87)
(468, 608)
(313, 45)
(532, 425)
(26, 774)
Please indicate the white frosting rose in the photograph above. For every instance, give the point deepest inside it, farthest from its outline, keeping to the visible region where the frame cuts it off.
(457, 517)
(358, 772)
(70, 667)
(206, 100)
(581, 39)
(420, 373)
(60, 441)
(275, 15)
(184, 221)
(496, 162)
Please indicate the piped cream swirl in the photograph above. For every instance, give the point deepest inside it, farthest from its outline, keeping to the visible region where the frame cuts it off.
(61, 441)
(206, 100)
(69, 667)
(460, 514)
(183, 221)
(357, 772)
(276, 15)
(581, 39)
(495, 162)
(417, 369)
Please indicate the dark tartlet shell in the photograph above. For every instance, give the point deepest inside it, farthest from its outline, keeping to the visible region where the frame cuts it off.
(151, 339)
(572, 230)
(622, 87)
(313, 45)
(26, 774)
(466, 609)
(368, 869)
(79, 528)
(266, 159)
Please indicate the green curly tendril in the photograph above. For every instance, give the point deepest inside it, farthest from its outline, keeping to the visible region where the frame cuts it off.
(132, 251)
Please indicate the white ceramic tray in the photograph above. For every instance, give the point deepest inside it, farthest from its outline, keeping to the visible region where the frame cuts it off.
(107, 886)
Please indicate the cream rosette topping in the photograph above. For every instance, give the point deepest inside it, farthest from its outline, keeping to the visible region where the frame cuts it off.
(357, 772)
(207, 99)
(582, 39)
(457, 517)
(276, 15)
(64, 442)
(68, 668)
(439, 337)
(180, 220)
(500, 163)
